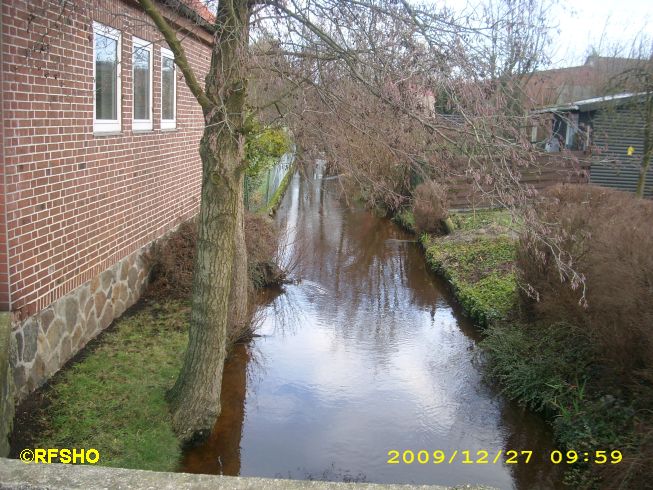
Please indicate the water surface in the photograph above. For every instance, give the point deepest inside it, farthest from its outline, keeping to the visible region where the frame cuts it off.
(364, 353)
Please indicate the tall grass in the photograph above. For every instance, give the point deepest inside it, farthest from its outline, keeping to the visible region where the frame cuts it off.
(586, 361)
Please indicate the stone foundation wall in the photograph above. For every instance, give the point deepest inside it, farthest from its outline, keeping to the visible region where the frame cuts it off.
(6, 388)
(43, 343)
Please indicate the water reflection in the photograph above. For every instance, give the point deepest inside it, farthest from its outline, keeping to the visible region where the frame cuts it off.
(360, 355)
(220, 454)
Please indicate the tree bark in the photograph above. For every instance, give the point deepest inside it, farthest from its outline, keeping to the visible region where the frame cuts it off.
(195, 398)
(238, 301)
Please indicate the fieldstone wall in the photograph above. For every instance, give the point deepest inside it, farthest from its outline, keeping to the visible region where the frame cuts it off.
(6, 389)
(44, 342)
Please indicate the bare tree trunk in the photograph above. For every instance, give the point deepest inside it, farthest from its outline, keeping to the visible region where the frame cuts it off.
(239, 284)
(648, 147)
(641, 181)
(195, 398)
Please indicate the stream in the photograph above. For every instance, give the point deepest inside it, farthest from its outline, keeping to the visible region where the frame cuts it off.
(365, 352)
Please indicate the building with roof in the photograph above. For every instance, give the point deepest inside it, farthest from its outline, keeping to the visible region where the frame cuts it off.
(563, 85)
(100, 158)
(611, 129)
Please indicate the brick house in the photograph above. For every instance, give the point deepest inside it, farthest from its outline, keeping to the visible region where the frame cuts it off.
(100, 157)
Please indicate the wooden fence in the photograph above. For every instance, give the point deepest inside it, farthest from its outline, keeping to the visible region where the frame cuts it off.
(549, 169)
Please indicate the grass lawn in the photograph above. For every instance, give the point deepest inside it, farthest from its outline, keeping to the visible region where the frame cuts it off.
(113, 399)
(475, 220)
(405, 219)
(479, 266)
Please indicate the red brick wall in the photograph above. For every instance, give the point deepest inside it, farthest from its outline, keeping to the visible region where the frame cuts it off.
(76, 202)
(4, 265)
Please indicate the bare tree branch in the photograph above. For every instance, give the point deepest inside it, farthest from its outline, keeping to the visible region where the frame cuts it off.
(180, 55)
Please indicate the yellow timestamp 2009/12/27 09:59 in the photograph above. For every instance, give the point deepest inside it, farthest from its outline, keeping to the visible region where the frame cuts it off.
(510, 456)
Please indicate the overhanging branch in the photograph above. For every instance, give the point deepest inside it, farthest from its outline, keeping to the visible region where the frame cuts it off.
(180, 56)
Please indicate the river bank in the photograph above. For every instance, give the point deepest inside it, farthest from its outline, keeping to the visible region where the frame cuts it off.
(111, 396)
(362, 353)
(549, 367)
(477, 261)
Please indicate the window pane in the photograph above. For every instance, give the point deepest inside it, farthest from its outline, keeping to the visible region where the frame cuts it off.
(141, 83)
(168, 89)
(106, 78)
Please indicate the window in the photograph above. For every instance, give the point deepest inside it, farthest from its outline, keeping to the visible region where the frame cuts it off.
(168, 90)
(142, 84)
(106, 74)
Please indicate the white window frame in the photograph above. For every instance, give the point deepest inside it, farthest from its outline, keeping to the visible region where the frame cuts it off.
(108, 125)
(169, 123)
(142, 124)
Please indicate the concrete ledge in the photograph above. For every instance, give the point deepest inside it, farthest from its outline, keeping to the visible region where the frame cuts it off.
(16, 475)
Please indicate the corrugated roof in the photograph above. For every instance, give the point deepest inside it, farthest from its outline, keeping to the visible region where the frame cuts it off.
(591, 104)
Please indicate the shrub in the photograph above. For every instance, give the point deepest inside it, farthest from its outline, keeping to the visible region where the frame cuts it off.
(430, 207)
(405, 219)
(264, 146)
(608, 237)
(553, 368)
(173, 259)
(553, 362)
(261, 237)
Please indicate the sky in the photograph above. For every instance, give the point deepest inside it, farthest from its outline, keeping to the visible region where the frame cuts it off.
(585, 23)
(599, 22)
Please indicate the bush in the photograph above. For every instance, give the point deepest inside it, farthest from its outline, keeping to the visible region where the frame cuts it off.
(264, 146)
(608, 236)
(405, 219)
(553, 362)
(173, 259)
(261, 238)
(553, 368)
(430, 207)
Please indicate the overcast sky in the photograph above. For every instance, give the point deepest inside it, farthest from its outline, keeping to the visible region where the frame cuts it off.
(584, 22)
